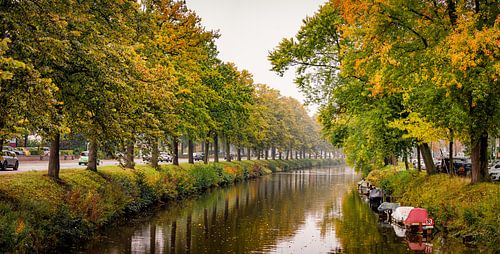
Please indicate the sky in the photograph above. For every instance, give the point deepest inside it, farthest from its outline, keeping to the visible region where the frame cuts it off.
(249, 29)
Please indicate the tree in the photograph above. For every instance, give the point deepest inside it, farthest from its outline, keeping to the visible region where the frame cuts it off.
(26, 99)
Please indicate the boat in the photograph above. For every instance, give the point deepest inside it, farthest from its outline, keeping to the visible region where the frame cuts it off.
(364, 187)
(418, 217)
(401, 213)
(387, 207)
(375, 196)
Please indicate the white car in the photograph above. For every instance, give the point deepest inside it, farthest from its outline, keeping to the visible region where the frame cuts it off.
(8, 159)
(495, 171)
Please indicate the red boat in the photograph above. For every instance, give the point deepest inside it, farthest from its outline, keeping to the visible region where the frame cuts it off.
(418, 217)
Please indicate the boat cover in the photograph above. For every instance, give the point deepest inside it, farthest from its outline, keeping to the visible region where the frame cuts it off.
(401, 213)
(386, 206)
(418, 215)
(375, 193)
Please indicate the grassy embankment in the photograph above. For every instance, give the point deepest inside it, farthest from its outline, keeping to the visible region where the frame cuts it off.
(470, 212)
(37, 213)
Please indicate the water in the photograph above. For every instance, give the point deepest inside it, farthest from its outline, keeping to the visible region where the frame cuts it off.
(309, 211)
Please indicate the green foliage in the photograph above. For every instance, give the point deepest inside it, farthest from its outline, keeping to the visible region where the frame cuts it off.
(205, 177)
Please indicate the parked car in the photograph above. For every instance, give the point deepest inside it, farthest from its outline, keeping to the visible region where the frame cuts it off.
(146, 157)
(494, 171)
(8, 159)
(19, 151)
(84, 159)
(461, 166)
(165, 157)
(198, 156)
(45, 151)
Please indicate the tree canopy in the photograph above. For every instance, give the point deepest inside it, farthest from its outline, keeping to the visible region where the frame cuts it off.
(390, 73)
(128, 72)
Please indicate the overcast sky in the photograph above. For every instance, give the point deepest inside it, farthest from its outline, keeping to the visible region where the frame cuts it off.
(249, 29)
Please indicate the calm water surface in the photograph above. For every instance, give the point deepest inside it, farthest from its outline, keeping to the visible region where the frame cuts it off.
(309, 211)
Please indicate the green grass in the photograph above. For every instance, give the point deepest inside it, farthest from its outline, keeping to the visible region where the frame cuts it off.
(464, 209)
(38, 213)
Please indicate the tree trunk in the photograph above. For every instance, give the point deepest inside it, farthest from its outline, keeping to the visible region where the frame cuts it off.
(54, 165)
(258, 154)
(405, 158)
(451, 169)
(427, 156)
(154, 153)
(266, 154)
(206, 150)
(190, 151)
(216, 147)
(239, 153)
(418, 159)
(279, 155)
(129, 157)
(479, 159)
(175, 146)
(26, 140)
(249, 154)
(273, 153)
(92, 162)
(228, 150)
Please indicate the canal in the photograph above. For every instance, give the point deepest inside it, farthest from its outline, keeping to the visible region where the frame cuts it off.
(308, 211)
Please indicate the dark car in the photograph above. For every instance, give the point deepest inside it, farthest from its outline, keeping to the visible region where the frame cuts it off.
(198, 156)
(461, 166)
(8, 159)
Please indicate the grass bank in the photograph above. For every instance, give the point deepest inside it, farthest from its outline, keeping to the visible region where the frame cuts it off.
(38, 214)
(466, 211)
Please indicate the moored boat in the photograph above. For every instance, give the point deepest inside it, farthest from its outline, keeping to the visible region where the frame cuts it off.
(401, 213)
(387, 207)
(364, 187)
(419, 218)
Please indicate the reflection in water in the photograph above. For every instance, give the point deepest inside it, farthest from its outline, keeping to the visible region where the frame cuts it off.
(359, 232)
(309, 211)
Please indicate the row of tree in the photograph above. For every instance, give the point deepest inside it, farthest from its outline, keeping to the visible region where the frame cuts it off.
(394, 74)
(123, 72)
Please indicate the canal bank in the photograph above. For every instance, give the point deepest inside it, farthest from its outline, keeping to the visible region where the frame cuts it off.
(38, 214)
(463, 211)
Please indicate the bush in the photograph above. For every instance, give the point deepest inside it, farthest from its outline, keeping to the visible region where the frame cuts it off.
(206, 177)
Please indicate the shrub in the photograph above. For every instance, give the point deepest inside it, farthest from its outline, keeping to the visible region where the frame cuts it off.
(205, 176)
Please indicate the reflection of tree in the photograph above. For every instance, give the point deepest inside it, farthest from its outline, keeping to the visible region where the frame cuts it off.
(248, 217)
(358, 230)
